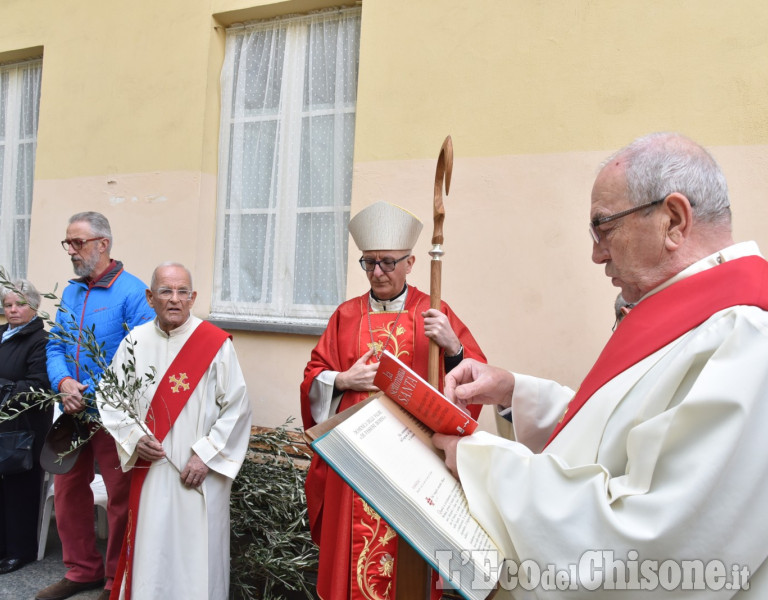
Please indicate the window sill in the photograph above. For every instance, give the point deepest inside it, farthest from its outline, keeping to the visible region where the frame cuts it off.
(310, 327)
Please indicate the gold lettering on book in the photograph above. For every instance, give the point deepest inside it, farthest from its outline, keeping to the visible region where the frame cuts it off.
(406, 389)
(397, 382)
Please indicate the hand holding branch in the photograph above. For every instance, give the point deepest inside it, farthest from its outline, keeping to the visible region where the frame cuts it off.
(72, 396)
(148, 448)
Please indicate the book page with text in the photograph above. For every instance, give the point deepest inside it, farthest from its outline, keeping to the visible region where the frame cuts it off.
(397, 447)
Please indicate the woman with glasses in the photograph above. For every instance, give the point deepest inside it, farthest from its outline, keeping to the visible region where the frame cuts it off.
(390, 316)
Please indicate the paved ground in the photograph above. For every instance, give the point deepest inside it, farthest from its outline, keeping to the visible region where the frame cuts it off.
(24, 583)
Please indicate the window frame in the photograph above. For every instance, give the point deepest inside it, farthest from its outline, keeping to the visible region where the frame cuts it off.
(12, 161)
(267, 314)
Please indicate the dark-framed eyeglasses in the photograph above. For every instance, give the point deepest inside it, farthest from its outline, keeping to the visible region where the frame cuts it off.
(165, 293)
(597, 221)
(76, 243)
(385, 264)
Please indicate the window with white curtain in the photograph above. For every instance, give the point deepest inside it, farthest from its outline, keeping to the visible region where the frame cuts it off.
(289, 88)
(19, 104)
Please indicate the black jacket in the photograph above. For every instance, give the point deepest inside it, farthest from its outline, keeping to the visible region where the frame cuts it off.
(22, 359)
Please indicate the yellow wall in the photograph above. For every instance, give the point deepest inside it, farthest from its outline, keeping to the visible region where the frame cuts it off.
(534, 94)
(536, 77)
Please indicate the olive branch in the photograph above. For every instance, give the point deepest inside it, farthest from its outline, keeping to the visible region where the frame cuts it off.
(119, 388)
(273, 552)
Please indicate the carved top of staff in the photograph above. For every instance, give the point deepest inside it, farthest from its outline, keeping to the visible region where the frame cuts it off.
(442, 174)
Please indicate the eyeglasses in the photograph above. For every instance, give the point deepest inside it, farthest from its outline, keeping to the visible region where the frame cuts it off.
(385, 264)
(77, 244)
(597, 221)
(167, 293)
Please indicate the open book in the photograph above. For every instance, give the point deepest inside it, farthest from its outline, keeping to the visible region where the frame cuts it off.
(387, 457)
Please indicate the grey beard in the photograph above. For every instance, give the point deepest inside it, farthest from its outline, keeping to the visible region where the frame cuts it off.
(84, 267)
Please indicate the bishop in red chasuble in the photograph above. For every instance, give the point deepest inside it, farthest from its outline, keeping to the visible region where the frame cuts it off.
(358, 549)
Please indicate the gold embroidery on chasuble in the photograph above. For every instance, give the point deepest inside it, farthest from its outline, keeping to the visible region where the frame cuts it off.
(385, 330)
(374, 547)
(130, 547)
(374, 542)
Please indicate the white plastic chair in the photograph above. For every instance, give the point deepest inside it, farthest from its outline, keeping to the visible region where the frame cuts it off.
(99, 500)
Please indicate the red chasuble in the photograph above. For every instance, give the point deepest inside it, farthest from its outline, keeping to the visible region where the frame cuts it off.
(175, 388)
(668, 314)
(357, 547)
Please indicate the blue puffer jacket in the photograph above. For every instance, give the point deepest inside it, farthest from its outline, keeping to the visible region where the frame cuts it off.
(117, 298)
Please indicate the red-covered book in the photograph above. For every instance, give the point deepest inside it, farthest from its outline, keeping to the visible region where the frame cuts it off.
(414, 394)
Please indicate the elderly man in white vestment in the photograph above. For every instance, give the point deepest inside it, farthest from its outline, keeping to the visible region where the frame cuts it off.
(651, 478)
(185, 448)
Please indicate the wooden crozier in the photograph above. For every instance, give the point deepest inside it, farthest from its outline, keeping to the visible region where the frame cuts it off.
(412, 575)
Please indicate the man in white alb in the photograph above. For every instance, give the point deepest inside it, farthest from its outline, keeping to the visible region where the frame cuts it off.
(185, 447)
(651, 477)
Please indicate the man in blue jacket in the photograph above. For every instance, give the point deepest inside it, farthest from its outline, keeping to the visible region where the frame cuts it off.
(104, 299)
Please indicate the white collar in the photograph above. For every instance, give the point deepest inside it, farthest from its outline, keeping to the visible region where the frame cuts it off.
(394, 305)
(185, 327)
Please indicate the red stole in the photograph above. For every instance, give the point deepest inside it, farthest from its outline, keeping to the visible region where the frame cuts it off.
(175, 388)
(668, 314)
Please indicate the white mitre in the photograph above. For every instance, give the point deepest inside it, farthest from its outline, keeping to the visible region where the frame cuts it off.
(385, 226)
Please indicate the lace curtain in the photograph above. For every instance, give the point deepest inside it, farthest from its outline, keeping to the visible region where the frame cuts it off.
(19, 104)
(289, 88)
